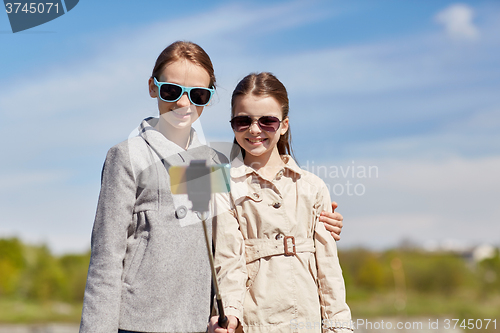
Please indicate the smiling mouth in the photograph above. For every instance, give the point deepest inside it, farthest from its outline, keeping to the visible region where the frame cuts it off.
(180, 113)
(256, 141)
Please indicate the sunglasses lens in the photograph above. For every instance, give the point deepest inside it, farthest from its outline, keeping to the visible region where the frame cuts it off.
(269, 124)
(200, 96)
(170, 92)
(266, 123)
(241, 123)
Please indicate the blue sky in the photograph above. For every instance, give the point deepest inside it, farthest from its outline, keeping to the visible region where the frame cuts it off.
(408, 88)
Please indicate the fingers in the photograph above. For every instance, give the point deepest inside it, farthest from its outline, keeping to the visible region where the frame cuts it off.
(233, 323)
(334, 231)
(213, 326)
(334, 205)
(335, 236)
(333, 219)
(333, 223)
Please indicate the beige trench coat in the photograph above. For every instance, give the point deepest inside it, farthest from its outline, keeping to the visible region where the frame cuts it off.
(278, 269)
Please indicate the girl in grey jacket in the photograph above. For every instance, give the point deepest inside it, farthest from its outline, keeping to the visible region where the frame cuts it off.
(149, 270)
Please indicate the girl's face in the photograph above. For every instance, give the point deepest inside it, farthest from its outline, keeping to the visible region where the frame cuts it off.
(180, 114)
(256, 141)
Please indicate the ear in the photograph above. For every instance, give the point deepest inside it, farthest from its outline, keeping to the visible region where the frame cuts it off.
(153, 89)
(284, 126)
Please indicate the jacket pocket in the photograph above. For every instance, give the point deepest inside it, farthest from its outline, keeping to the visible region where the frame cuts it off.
(252, 270)
(148, 188)
(131, 270)
(313, 268)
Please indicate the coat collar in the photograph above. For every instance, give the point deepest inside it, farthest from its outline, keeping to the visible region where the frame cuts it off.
(239, 169)
(166, 149)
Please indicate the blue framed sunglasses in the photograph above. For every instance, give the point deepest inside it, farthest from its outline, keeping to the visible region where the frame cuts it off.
(171, 92)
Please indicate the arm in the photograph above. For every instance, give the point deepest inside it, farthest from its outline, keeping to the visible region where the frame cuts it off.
(101, 306)
(333, 221)
(230, 262)
(331, 288)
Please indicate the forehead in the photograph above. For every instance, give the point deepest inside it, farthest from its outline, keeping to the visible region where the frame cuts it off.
(251, 105)
(185, 73)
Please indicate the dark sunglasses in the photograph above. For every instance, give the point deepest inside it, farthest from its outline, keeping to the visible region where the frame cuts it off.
(266, 123)
(171, 92)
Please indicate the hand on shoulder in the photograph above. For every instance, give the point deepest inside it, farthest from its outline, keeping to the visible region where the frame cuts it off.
(333, 221)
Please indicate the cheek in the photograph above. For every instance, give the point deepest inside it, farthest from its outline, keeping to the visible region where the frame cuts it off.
(199, 110)
(239, 137)
(164, 107)
(273, 143)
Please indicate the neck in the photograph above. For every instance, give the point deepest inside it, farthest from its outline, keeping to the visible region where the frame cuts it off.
(179, 136)
(267, 164)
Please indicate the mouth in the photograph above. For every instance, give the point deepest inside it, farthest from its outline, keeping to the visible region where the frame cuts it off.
(182, 113)
(256, 141)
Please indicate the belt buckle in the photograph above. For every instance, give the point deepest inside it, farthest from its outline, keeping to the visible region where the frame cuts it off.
(286, 244)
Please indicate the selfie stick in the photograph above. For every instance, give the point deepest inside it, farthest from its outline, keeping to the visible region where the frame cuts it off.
(199, 191)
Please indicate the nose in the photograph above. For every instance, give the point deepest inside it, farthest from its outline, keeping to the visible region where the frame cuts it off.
(254, 128)
(184, 100)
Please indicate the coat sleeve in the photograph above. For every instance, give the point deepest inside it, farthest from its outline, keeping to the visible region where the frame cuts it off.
(101, 306)
(230, 262)
(335, 312)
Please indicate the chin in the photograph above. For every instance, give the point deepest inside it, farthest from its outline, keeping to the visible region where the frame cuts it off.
(179, 124)
(255, 152)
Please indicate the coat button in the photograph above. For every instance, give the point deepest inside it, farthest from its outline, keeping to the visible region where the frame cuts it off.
(277, 205)
(279, 237)
(181, 212)
(256, 195)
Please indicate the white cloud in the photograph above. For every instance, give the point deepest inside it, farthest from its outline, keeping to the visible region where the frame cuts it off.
(457, 21)
(446, 176)
(484, 121)
(55, 212)
(438, 199)
(18, 180)
(423, 229)
(419, 62)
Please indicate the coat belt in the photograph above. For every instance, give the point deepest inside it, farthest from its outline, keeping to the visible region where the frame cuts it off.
(260, 248)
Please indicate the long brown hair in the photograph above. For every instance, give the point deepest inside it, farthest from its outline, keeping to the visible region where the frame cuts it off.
(264, 84)
(184, 50)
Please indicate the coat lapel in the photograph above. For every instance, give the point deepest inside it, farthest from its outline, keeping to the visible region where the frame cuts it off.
(169, 152)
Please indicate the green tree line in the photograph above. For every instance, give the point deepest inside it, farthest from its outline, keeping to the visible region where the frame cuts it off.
(33, 273)
(416, 270)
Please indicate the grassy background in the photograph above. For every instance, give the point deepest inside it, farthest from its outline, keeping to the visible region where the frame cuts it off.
(39, 287)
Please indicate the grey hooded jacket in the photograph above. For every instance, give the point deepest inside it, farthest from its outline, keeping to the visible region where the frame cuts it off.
(149, 269)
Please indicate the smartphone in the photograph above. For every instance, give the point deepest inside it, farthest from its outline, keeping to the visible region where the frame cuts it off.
(200, 178)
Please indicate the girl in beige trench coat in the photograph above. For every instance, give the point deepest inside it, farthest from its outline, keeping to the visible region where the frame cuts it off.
(278, 269)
